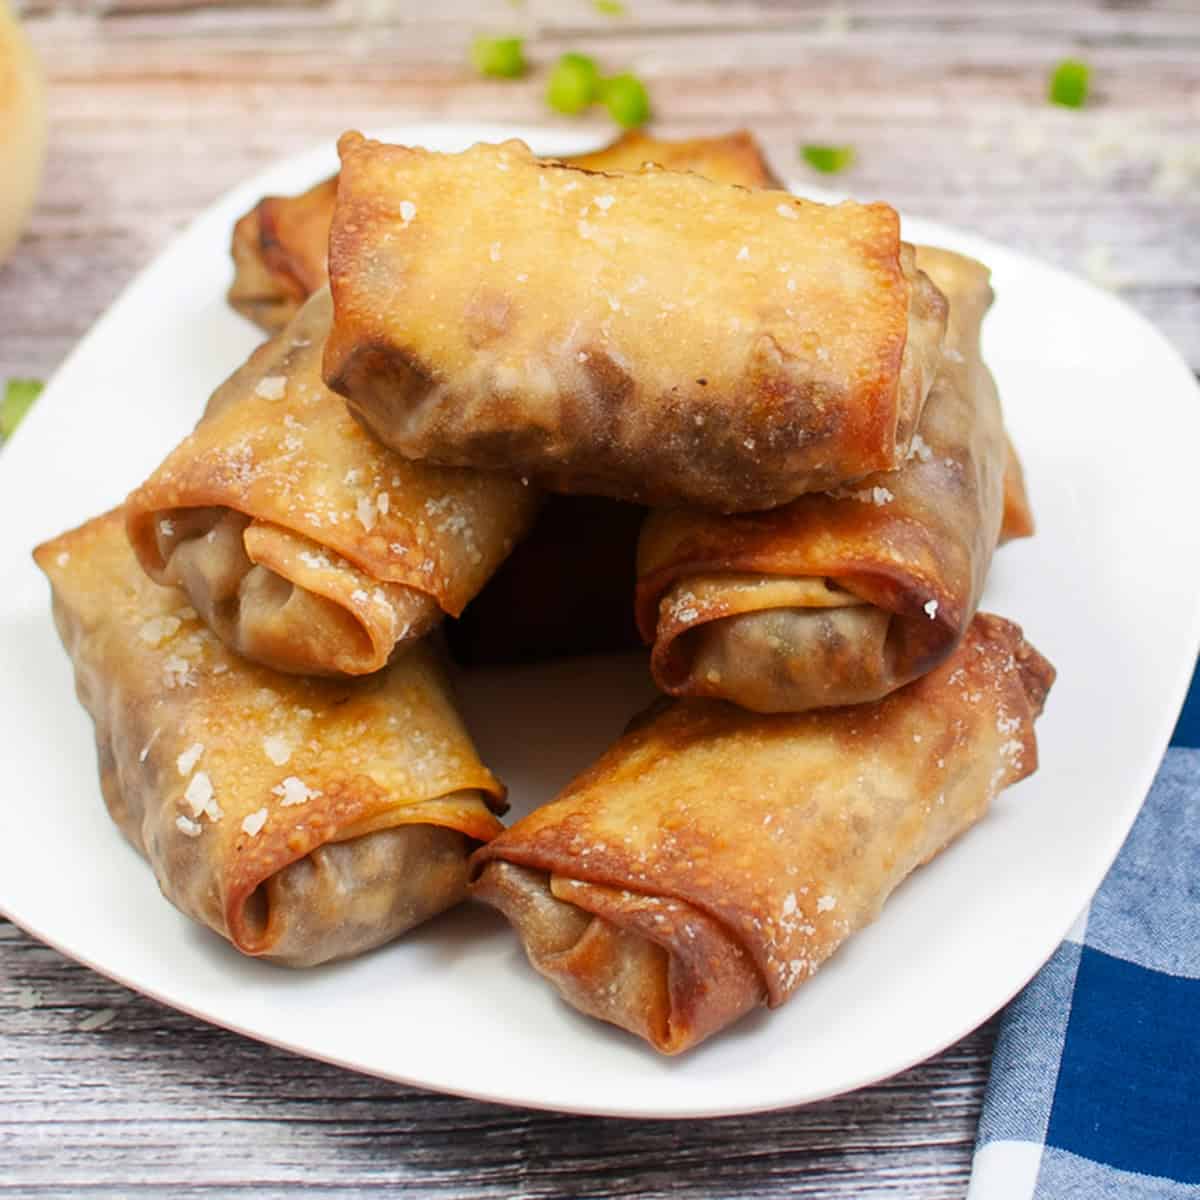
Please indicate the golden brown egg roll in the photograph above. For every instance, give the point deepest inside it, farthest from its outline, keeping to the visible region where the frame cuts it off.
(1017, 521)
(651, 336)
(305, 820)
(280, 251)
(842, 597)
(304, 544)
(281, 246)
(714, 858)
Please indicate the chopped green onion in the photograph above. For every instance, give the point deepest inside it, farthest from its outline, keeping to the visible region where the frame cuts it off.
(19, 395)
(610, 8)
(573, 85)
(1069, 83)
(503, 57)
(626, 99)
(828, 159)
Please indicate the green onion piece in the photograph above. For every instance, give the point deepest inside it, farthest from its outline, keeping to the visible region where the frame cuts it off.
(626, 99)
(828, 159)
(502, 57)
(610, 8)
(573, 85)
(19, 395)
(1069, 83)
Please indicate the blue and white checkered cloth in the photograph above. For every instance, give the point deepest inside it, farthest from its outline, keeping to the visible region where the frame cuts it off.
(1095, 1085)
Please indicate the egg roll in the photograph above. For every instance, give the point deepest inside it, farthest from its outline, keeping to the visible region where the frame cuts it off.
(281, 246)
(304, 820)
(714, 858)
(652, 336)
(842, 597)
(304, 544)
(280, 249)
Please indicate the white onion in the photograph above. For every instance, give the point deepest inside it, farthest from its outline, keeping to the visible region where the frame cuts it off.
(22, 128)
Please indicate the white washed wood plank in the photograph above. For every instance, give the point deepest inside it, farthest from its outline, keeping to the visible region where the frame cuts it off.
(158, 1102)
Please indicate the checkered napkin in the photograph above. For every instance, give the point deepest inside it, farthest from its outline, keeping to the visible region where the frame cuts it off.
(1095, 1086)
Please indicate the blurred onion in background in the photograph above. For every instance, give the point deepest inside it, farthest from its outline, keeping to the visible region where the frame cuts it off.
(22, 128)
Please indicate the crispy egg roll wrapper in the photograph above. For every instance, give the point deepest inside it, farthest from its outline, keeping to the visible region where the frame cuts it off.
(280, 251)
(652, 336)
(714, 858)
(842, 597)
(281, 246)
(303, 819)
(303, 543)
(1018, 512)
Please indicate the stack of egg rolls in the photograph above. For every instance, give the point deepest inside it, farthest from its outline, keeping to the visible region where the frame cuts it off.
(560, 402)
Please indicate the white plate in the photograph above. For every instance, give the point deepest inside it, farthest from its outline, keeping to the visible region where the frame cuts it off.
(1105, 414)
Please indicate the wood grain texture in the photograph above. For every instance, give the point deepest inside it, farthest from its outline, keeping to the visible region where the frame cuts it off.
(159, 107)
(155, 1102)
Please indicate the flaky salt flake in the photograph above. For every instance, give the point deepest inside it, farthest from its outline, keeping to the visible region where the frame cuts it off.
(352, 476)
(408, 210)
(277, 748)
(62, 558)
(98, 1020)
(199, 793)
(825, 903)
(187, 826)
(920, 449)
(166, 527)
(743, 254)
(494, 251)
(271, 387)
(177, 672)
(294, 791)
(158, 629)
(931, 607)
(253, 824)
(604, 203)
(187, 761)
(383, 502)
(786, 210)
(366, 513)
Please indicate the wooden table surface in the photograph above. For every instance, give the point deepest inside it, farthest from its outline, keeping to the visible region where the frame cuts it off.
(158, 106)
